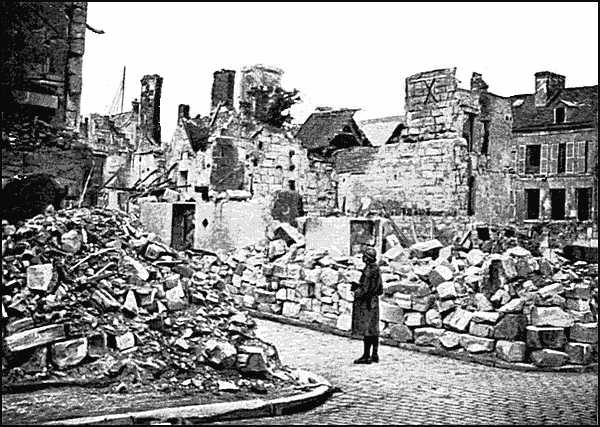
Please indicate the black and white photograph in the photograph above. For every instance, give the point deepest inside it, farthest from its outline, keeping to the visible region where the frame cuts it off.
(299, 213)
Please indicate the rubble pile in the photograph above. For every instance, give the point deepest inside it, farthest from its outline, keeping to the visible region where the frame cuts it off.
(30, 134)
(86, 294)
(512, 305)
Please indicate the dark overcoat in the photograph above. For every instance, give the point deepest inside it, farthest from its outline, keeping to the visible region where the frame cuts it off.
(365, 308)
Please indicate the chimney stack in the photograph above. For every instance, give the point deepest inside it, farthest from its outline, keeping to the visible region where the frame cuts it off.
(150, 107)
(477, 83)
(222, 89)
(183, 112)
(546, 86)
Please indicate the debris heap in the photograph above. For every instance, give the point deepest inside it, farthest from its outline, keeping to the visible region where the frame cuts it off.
(87, 295)
(541, 310)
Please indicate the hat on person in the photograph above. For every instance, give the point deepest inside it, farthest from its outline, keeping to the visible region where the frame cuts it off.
(370, 254)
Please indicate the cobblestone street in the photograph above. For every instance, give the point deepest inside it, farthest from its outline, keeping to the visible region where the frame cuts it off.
(414, 388)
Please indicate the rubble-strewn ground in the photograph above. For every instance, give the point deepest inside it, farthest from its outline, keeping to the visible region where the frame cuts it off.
(88, 296)
(410, 388)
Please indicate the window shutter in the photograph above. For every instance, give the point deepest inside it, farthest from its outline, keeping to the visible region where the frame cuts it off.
(544, 159)
(521, 160)
(580, 165)
(554, 158)
(570, 157)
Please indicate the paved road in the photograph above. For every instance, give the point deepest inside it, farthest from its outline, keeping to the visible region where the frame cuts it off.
(414, 388)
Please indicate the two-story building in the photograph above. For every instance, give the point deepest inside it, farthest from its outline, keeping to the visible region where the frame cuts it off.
(555, 134)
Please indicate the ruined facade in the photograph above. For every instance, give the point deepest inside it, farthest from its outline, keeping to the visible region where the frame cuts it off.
(127, 145)
(41, 67)
(231, 150)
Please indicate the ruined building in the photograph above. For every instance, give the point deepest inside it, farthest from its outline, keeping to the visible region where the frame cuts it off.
(40, 91)
(41, 59)
(127, 145)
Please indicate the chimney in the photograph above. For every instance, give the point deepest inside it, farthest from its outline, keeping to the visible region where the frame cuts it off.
(150, 107)
(546, 86)
(477, 83)
(183, 112)
(257, 76)
(222, 89)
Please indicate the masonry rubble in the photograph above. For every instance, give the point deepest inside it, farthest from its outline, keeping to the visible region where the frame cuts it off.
(510, 304)
(87, 295)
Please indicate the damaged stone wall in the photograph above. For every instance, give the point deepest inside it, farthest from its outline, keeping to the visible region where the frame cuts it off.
(428, 175)
(69, 167)
(43, 60)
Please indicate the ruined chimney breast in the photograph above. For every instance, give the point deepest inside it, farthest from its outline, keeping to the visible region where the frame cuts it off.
(150, 106)
(223, 88)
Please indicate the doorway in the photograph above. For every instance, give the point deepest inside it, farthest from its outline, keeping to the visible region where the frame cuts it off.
(557, 198)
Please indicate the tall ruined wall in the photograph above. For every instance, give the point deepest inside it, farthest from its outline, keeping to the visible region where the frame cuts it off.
(320, 191)
(41, 60)
(428, 175)
(150, 109)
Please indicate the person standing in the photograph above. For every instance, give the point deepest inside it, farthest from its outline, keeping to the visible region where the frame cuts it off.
(365, 308)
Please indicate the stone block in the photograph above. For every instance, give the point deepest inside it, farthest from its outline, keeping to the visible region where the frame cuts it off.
(37, 360)
(345, 292)
(344, 322)
(509, 268)
(40, 277)
(578, 290)
(513, 306)
(440, 274)
(390, 313)
(400, 333)
(549, 358)
(249, 301)
(579, 353)
(482, 303)
(396, 253)
(510, 327)
(420, 289)
(414, 319)
(264, 297)
(445, 306)
(551, 316)
(584, 332)
(430, 248)
(475, 344)
(281, 294)
(288, 233)
(450, 340)
(290, 309)
(122, 341)
(69, 353)
(500, 297)
(490, 317)
(352, 276)
(446, 290)
(403, 300)
(34, 337)
(458, 320)
(577, 304)
(553, 289)
(545, 337)
(481, 330)
(518, 252)
(221, 354)
(329, 277)
(475, 257)
(71, 241)
(97, 344)
(511, 351)
(433, 318)
(427, 336)
(277, 248)
(422, 304)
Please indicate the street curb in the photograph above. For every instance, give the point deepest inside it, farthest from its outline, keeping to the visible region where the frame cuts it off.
(243, 409)
(463, 356)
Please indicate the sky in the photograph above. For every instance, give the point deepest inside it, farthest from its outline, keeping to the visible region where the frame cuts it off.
(353, 55)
